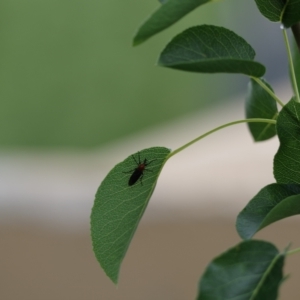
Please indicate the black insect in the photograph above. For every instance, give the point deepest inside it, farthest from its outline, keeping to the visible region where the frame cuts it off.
(138, 172)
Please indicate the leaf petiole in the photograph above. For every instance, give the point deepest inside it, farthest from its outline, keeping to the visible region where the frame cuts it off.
(257, 120)
(268, 90)
(293, 251)
(287, 45)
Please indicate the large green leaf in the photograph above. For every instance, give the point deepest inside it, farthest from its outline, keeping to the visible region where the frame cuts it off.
(252, 270)
(167, 14)
(211, 49)
(287, 158)
(119, 207)
(274, 202)
(285, 11)
(259, 104)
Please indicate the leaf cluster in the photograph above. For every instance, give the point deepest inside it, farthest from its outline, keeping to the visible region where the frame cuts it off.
(252, 269)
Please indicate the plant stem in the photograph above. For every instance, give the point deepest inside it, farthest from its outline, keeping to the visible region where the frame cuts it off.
(293, 251)
(268, 90)
(295, 85)
(218, 128)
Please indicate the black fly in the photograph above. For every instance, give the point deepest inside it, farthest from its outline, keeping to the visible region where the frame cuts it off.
(138, 172)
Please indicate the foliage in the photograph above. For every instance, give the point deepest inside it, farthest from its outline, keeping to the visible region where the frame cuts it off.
(252, 269)
(119, 207)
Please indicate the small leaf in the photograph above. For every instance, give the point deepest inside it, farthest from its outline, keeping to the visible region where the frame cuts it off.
(211, 49)
(259, 104)
(285, 11)
(119, 207)
(287, 158)
(252, 270)
(166, 15)
(273, 203)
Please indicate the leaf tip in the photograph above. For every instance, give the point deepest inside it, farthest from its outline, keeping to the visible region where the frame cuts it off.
(242, 228)
(115, 280)
(112, 275)
(136, 41)
(139, 38)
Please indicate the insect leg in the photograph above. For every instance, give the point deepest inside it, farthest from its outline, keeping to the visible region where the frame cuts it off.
(148, 163)
(137, 162)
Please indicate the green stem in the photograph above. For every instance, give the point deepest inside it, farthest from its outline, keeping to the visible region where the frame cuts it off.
(287, 45)
(268, 90)
(218, 128)
(293, 251)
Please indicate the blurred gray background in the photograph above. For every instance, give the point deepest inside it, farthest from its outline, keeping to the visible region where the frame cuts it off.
(77, 98)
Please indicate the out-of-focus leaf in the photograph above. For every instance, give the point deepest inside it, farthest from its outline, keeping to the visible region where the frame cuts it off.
(211, 49)
(285, 11)
(291, 13)
(118, 207)
(167, 14)
(271, 9)
(274, 202)
(259, 104)
(250, 270)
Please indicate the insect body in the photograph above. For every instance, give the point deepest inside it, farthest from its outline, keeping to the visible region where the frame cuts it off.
(138, 172)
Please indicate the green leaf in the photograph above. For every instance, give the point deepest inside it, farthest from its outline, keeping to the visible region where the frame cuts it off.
(259, 104)
(286, 12)
(287, 158)
(273, 203)
(252, 270)
(166, 15)
(119, 207)
(291, 14)
(211, 49)
(271, 9)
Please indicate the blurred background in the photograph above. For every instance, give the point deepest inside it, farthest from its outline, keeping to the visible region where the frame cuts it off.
(77, 98)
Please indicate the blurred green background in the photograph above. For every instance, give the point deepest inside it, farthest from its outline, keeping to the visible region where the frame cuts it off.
(69, 76)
